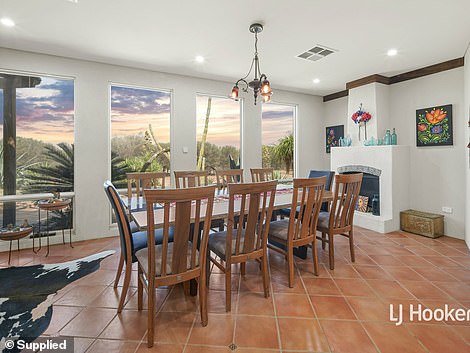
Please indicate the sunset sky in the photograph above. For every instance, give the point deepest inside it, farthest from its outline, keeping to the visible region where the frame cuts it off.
(46, 113)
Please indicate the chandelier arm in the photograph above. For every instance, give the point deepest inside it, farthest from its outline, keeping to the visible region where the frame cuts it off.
(249, 71)
(245, 89)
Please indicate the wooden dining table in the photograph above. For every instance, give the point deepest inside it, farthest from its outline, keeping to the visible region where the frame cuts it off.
(283, 199)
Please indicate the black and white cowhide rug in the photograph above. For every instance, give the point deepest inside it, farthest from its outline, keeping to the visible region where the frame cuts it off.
(26, 295)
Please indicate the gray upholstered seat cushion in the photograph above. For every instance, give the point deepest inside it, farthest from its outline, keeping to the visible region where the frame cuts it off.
(143, 258)
(279, 229)
(323, 220)
(217, 242)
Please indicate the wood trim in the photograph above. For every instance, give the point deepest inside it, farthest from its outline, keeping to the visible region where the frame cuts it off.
(410, 75)
(428, 70)
(368, 79)
(335, 95)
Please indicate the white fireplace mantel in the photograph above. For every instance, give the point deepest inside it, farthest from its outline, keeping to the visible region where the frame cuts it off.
(394, 163)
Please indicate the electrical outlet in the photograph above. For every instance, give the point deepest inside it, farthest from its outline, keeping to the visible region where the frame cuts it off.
(185, 149)
(447, 209)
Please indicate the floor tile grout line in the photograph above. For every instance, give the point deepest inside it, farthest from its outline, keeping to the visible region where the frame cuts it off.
(313, 308)
(271, 290)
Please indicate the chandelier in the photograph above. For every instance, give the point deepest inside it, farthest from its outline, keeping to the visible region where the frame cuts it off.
(260, 84)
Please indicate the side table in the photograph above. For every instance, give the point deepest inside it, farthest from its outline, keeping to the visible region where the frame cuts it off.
(10, 235)
(54, 205)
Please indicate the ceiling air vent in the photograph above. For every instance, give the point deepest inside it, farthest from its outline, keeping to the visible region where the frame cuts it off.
(316, 53)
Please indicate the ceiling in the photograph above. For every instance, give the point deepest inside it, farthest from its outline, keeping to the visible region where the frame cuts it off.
(167, 35)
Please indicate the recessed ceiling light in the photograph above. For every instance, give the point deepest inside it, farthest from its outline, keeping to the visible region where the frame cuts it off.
(199, 59)
(7, 22)
(392, 52)
(316, 80)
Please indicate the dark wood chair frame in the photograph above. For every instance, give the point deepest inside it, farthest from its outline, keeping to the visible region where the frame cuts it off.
(188, 209)
(341, 214)
(252, 231)
(302, 226)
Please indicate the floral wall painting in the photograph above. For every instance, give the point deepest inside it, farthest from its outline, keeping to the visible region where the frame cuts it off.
(333, 134)
(434, 126)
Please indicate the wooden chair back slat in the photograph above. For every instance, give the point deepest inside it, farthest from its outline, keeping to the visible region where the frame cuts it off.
(191, 178)
(228, 176)
(311, 194)
(261, 174)
(256, 202)
(345, 194)
(146, 180)
(188, 206)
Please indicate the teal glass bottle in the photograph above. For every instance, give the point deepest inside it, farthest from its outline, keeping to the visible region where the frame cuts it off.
(394, 137)
(387, 138)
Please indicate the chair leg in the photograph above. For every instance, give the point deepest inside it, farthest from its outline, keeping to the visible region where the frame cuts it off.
(140, 290)
(228, 287)
(315, 257)
(331, 251)
(151, 314)
(243, 268)
(118, 274)
(265, 274)
(351, 245)
(203, 298)
(290, 265)
(323, 240)
(125, 287)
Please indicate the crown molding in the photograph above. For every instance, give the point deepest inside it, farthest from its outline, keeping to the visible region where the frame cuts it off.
(410, 75)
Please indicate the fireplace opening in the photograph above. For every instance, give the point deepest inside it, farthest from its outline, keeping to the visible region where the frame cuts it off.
(370, 181)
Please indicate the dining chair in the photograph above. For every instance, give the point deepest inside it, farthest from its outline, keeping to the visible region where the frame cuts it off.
(299, 229)
(170, 263)
(248, 240)
(191, 178)
(228, 176)
(131, 242)
(136, 182)
(339, 219)
(261, 174)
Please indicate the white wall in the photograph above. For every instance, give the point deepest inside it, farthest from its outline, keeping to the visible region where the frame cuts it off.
(335, 112)
(437, 174)
(92, 125)
(466, 113)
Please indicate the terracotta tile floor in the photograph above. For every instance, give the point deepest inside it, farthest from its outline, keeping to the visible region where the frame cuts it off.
(345, 310)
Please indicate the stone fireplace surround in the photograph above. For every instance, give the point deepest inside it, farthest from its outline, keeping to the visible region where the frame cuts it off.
(392, 164)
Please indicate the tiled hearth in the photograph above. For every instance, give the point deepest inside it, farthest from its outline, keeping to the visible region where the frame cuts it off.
(345, 310)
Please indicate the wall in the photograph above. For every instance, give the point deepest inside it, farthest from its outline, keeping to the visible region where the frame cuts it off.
(92, 125)
(466, 110)
(437, 174)
(335, 113)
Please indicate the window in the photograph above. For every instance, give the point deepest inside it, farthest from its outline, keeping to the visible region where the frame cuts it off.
(218, 133)
(277, 130)
(37, 132)
(140, 131)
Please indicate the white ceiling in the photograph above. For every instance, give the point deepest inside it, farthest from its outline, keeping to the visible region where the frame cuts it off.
(167, 35)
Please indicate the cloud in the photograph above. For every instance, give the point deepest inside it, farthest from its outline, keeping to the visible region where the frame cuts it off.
(45, 112)
(126, 100)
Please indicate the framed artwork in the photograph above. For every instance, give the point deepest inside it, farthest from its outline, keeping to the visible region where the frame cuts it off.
(333, 134)
(361, 204)
(434, 126)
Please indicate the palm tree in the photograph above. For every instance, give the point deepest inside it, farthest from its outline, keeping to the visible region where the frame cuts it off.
(284, 151)
(54, 175)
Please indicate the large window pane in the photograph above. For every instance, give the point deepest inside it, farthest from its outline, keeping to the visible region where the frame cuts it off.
(140, 131)
(37, 132)
(218, 133)
(278, 139)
